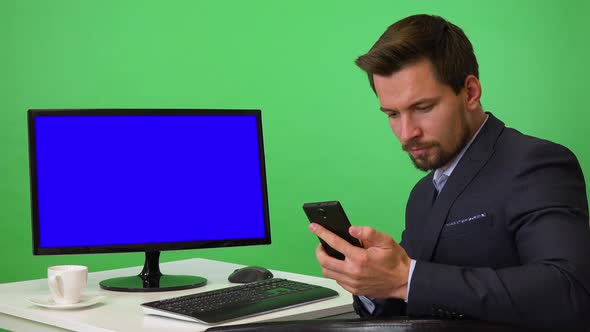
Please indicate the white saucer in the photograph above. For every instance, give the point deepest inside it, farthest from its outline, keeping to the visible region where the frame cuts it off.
(47, 302)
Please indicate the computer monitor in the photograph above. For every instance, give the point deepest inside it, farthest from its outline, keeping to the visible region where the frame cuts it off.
(129, 180)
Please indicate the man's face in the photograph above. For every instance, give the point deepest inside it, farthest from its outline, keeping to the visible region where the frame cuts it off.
(427, 117)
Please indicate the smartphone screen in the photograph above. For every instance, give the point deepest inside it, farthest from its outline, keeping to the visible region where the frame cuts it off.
(331, 216)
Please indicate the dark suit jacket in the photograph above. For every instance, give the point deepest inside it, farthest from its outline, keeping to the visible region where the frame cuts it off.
(506, 240)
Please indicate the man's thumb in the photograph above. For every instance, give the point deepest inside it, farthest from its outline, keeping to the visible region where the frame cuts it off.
(369, 237)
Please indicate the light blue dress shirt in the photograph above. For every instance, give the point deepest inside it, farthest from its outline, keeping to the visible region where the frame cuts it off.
(441, 175)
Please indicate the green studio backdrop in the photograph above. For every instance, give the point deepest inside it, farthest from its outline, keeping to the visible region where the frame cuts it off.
(325, 137)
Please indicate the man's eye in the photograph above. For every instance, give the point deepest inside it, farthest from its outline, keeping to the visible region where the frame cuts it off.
(423, 108)
(392, 115)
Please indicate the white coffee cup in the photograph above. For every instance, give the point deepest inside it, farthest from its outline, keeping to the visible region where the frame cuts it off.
(67, 282)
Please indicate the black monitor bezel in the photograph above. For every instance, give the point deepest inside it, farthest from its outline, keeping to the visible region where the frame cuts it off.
(148, 247)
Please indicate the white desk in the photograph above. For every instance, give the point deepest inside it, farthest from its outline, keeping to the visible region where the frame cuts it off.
(120, 311)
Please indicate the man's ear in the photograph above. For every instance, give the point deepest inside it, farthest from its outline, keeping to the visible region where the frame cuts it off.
(472, 92)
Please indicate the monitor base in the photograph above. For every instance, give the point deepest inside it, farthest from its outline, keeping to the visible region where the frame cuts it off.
(151, 279)
(160, 284)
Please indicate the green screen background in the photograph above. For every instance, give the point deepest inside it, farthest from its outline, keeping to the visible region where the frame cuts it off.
(325, 138)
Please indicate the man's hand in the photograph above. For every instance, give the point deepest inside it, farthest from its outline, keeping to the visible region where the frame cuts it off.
(379, 270)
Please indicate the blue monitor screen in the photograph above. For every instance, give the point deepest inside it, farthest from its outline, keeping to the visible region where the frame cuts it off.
(137, 179)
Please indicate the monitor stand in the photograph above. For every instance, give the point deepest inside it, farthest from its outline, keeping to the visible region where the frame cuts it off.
(151, 279)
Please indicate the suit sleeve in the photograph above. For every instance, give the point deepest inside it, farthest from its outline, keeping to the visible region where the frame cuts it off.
(546, 210)
(384, 308)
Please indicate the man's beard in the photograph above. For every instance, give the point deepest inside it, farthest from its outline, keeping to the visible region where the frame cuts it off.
(438, 156)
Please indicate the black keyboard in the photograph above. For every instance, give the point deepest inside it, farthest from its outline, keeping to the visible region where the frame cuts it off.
(237, 302)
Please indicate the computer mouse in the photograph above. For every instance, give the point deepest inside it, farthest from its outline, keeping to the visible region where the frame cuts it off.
(249, 274)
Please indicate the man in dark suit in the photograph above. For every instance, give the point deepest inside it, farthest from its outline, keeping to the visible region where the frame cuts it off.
(497, 231)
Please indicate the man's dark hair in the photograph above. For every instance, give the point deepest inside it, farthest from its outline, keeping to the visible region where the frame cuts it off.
(422, 36)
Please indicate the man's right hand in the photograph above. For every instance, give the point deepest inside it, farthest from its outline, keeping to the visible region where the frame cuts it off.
(379, 270)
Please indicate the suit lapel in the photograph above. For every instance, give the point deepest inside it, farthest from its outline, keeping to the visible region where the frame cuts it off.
(470, 164)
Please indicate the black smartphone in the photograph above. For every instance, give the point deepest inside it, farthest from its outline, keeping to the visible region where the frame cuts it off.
(331, 215)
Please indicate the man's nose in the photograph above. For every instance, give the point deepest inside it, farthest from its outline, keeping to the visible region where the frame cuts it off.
(409, 130)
